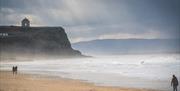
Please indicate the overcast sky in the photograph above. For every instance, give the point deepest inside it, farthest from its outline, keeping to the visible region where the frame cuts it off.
(98, 19)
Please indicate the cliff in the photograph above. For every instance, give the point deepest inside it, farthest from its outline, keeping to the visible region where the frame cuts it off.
(35, 41)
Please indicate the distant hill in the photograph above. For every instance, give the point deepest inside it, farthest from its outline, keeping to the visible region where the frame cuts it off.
(35, 42)
(128, 46)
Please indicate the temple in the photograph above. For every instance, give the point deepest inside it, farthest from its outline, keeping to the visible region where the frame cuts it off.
(25, 23)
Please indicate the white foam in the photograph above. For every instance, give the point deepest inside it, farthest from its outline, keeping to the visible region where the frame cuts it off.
(106, 70)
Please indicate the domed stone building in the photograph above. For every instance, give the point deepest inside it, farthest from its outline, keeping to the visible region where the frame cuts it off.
(25, 23)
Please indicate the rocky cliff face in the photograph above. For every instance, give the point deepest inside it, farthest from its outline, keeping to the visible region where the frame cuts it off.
(49, 41)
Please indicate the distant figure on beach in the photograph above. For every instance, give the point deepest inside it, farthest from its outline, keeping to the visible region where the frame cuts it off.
(14, 69)
(174, 83)
(142, 62)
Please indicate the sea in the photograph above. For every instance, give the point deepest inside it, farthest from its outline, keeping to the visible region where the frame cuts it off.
(151, 71)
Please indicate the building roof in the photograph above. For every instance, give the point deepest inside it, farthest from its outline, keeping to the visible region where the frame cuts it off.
(25, 19)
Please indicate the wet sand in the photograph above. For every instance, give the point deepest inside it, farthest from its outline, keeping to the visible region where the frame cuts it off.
(29, 82)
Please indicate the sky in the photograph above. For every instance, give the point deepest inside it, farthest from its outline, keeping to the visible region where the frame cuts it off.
(85, 20)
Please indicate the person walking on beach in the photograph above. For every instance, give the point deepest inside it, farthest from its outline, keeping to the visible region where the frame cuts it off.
(14, 69)
(174, 83)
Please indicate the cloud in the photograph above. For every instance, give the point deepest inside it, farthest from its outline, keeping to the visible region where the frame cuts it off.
(98, 19)
(147, 35)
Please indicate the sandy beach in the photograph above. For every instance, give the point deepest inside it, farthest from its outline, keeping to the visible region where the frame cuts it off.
(27, 82)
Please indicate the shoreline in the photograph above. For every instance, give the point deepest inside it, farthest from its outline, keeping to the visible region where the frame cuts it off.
(35, 82)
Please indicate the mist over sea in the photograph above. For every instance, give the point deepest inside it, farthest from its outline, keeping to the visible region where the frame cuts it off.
(139, 71)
